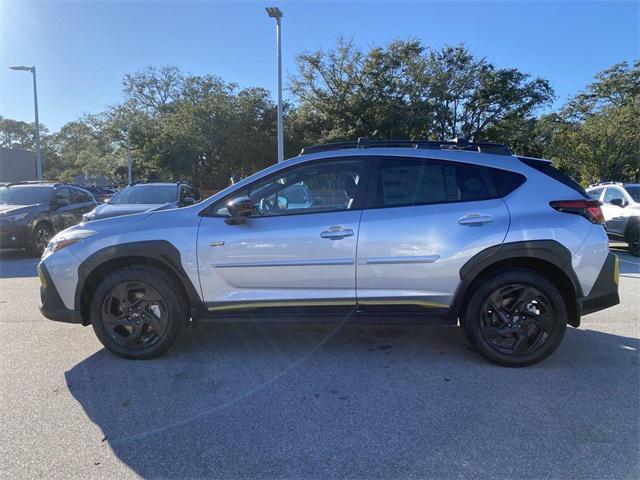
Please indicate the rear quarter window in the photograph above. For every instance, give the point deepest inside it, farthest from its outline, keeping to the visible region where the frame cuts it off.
(550, 171)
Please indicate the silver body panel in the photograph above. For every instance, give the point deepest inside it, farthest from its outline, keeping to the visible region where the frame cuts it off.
(393, 255)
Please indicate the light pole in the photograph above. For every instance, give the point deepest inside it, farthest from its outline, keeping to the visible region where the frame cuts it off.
(129, 166)
(275, 12)
(35, 103)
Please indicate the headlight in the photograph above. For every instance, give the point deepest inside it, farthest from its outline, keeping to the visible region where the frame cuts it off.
(15, 218)
(64, 239)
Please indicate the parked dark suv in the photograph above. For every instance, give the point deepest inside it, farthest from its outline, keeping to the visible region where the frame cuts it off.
(32, 212)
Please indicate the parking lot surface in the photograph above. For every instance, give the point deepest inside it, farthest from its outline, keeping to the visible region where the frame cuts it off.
(311, 401)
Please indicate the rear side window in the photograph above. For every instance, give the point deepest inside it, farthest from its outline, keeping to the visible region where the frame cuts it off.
(415, 181)
(550, 171)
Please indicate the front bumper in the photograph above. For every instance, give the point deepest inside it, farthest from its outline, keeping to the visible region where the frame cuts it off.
(51, 304)
(14, 236)
(604, 293)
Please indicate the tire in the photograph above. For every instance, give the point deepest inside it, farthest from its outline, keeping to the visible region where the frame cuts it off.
(633, 239)
(40, 237)
(137, 312)
(515, 318)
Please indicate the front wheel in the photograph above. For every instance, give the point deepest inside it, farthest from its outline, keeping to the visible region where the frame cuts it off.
(137, 313)
(515, 318)
(40, 237)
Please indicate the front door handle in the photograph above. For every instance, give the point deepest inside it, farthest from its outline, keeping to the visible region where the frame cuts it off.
(336, 233)
(475, 220)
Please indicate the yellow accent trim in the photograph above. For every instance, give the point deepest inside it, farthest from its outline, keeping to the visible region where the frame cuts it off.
(401, 301)
(280, 303)
(43, 280)
(616, 271)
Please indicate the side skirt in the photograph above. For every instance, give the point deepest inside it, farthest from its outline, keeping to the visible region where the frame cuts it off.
(348, 314)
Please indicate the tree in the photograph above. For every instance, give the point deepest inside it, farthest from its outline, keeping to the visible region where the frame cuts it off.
(596, 135)
(404, 90)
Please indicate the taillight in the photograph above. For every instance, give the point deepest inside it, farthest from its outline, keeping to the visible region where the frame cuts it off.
(589, 209)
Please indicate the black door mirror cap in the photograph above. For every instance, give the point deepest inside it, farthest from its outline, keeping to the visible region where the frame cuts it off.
(239, 208)
(618, 202)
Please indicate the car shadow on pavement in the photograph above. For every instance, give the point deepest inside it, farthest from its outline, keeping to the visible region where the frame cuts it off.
(16, 264)
(318, 401)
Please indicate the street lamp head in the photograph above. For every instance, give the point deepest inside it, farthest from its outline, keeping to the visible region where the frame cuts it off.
(274, 12)
(26, 69)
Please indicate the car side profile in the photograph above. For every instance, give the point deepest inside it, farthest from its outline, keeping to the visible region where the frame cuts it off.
(621, 210)
(144, 197)
(433, 233)
(32, 212)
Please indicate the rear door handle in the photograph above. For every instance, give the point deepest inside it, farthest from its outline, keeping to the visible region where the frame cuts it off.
(475, 220)
(336, 233)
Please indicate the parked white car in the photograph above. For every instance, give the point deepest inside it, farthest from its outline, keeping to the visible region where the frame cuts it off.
(621, 210)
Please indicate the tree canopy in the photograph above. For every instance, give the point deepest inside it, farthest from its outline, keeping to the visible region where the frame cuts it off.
(205, 130)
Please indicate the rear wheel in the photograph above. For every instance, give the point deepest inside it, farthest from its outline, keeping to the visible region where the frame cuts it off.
(137, 313)
(633, 239)
(40, 237)
(515, 318)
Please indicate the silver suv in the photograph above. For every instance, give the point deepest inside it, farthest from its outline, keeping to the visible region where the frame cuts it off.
(390, 231)
(621, 210)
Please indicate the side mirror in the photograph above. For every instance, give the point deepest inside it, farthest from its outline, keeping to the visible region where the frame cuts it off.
(239, 208)
(618, 202)
(186, 201)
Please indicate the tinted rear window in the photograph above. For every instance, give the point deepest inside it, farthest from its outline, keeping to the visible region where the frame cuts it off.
(415, 181)
(554, 173)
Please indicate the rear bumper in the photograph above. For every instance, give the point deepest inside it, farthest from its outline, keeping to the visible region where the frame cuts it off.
(604, 293)
(51, 304)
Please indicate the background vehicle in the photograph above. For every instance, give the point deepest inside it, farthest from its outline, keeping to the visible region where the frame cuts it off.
(145, 197)
(621, 210)
(32, 212)
(99, 192)
(415, 231)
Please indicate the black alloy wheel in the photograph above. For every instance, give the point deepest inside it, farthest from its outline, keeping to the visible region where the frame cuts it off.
(135, 315)
(138, 311)
(517, 319)
(40, 239)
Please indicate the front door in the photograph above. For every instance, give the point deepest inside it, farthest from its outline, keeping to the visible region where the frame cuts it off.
(428, 219)
(614, 217)
(299, 246)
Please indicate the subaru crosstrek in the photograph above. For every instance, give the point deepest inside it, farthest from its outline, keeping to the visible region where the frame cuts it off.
(393, 231)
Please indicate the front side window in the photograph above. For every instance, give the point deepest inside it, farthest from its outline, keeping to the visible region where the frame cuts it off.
(319, 187)
(612, 194)
(415, 181)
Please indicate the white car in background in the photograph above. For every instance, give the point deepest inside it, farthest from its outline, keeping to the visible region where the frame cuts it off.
(621, 210)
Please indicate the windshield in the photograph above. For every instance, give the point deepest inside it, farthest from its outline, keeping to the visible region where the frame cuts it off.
(634, 192)
(24, 195)
(147, 194)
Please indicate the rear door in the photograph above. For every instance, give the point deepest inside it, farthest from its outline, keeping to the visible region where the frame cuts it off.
(424, 220)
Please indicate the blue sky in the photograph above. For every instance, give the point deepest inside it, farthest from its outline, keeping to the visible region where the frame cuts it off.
(82, 49)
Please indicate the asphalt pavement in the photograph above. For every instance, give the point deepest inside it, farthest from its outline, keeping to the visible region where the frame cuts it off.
(312, 401)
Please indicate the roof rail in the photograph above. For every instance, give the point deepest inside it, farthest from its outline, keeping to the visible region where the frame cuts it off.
(606, 183)
(32, 182)
(455, 144)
